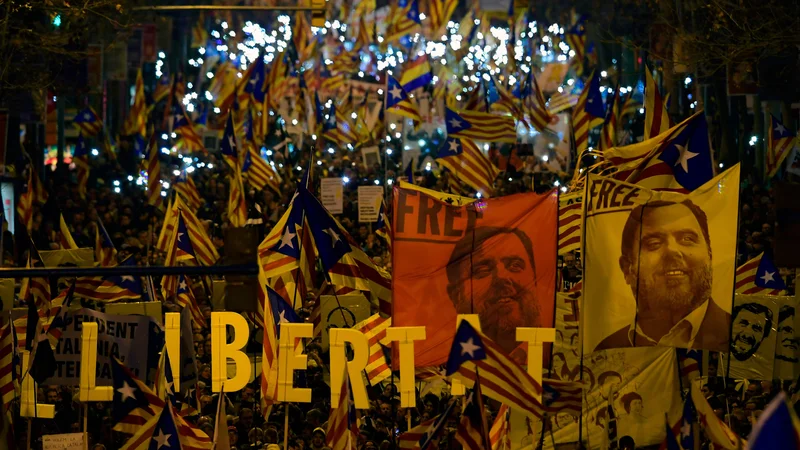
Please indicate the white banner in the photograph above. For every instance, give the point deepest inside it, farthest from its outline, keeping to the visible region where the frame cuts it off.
(69, 441)
(128, 338)
(332, 195)
(369, 203)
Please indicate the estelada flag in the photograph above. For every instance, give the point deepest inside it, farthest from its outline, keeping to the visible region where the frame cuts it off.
(494, 257)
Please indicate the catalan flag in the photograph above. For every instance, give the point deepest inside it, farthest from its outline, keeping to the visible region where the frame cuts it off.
(25, 202)
(383, 227)
(188, 139)
(338, 129)
(8, 382)
(410, 439)
(81, 158)
(562, 396)
(440, 13)
(153, 173)
(500, 433)
(608, 138)
(714, 428)
(690, 364)
(631, 105)
(561, 102)
(464, 159)
(677, 160)
(342, 427)
(472, 431)
(656, 117)
(269, 365)
(570, 220)
(133, 403)
(576, 39)
(205, 251)
(185, 187)
(417, 73)
(168, 429)
(104, 251)
(162, 88)
(434, 427)
(228, 146)
(759, 276)
(237, 207)
(181, 248)
(501, 378)
(777, 427)
(374, 328)
(588, 113)
(88, 121)
(480, 126)
(398, 102)
(405, 21)
(36, 290)
(110, 288)
(534, 104)
(199, 33)
(780, 142)
(136, 122)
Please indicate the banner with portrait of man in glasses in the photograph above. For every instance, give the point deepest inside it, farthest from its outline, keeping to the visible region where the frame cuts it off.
(659, 265)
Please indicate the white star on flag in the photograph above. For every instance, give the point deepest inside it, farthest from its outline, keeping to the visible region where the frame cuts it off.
(231, 142)
(686, 429)
(182, 286)
(768, 276)
(287, 239)
(396, 92)
(162, 439)
(453, 146)
(180, 235)
(127, 278)
(334, 236)
(469, 347)
(282, 317)
(455, 123)
(685, 156)
(87, 116)
(127, 391)
(780, 129)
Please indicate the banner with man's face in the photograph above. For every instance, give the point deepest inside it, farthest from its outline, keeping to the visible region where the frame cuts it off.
(754, 330)
(787, 340)
(659, 266)
(495, 258)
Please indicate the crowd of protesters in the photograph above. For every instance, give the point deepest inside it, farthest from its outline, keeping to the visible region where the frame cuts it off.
(119, 202)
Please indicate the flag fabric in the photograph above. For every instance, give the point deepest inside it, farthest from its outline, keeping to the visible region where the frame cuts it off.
(500, 433)
(562, 396)
(631, 105)
(162, 88)
(464, 159)
(182, 248)
(221, 438)
(153, 173)
(588, 113)
(383, 227)
(576, 39)
(690, 363)
(110, 288)
(570, 220)
(228, 145)
(185, 187)
(432, 274)
(186, 299)
(608, 137)
(340, 433)
(88, 122)
(269, 365)
(780, 142)
(417, 73)
(35, 290)
(398, 102)
(404, 21)
(133, 403)
(66, 241)
(205, 251)
(81, 158)
(435, 426)
(759, 276)
(778, 427)
(237, 207)
(687, 420)
(480, 126)
(716, 430)
(656, 117)
(188, 138)
(374, 328)
(167, 430)
(534, 104)
(25, 202)
(282, 311)
(104, 251)
(440, 13)
(501, 378)
(678, 160)
(338, 129)
(363, 39)
(259, 173)
(671, 441)
(8, 382)
(561, 102)
(410, 439)
(136, 122)
(472, 431)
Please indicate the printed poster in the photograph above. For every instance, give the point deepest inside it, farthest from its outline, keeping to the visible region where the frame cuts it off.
(787, 340)
(659, 265)
(754, 326)
(131, 338)
(369, 203)
(332, 195)
(494, 257)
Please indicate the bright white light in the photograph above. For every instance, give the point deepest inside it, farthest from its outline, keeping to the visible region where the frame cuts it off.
(389, 181)
(557, 183)
(604, 74)
(298, 168)
(421, 142)
(353, 115)
(641, 110)
(117, 190)
(378, 182)
(388, 151)
(563, 189)
(210, 75)
(163, 193)
(210, 166)
(345, 180)
(688, 80)
(397, 135)
(331, 150)
(165, 184)
(545, 158)
(95, 152)
(319, 163)
(294, 121)
(479, 195)
(130, 178)
(162, 55)
(392, 126)
(115, 182)
(510, 179)
(164, 136)
(176, 172)
(173, 136)
(217, 110)
(224, 25)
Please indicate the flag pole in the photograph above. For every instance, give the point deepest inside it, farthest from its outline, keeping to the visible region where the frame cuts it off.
(286, 426)
(86, 426)
(303, 229)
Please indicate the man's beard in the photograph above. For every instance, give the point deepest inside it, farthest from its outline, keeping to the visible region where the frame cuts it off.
(500, 318)
(657, 297)
(750, 341)
(788, 346)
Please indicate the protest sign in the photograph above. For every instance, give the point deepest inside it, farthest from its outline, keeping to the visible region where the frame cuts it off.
(332, 195)
(69, 441)
(369, 203)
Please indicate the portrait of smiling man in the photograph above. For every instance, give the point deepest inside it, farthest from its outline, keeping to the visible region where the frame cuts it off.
(666, 260)
(503, 283)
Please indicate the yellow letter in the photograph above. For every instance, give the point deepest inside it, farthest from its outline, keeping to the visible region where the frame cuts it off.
(172, 328)
(456, 386)
(406, 337)
(89, 391)
(28, 407)
(355, 367)
(536, 337)
(221, 352)
(290, 360)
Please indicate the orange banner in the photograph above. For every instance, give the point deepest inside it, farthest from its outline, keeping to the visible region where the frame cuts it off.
(495, 258)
